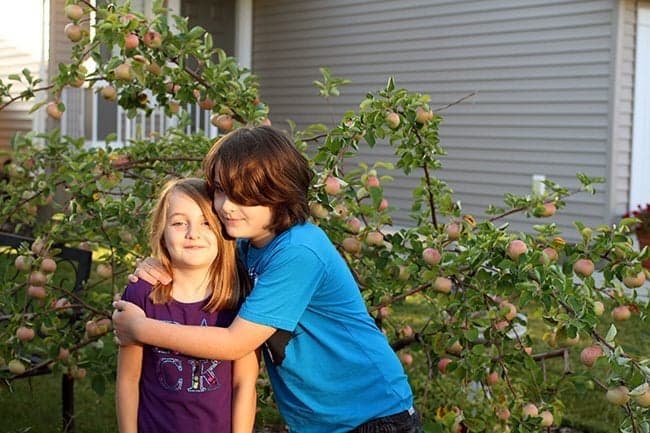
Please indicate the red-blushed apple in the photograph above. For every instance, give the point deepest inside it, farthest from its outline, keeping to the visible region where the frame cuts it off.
(511, 310)
(516, 248)
(422, 115)
(492, 378)
(123, 72)
(224, 122)
(317, 210)
(53, 110)
(25, 333)
(528, 350)
(208, 104)
(383, 205)
(152, 39)
(547, 418)
(641, 395)
(36, 292)
(501, 325)
(353, 225)
(48, 265)
(23, 263)
(431, 256)
(131, 41)
(109, 93)
(545, 210)
(406, 358)
(372, 181)
(16, 367)
(634, 281)
(442, 285)
(78, 373)
(550, 253)
(375, 238)
(154, 68)
(63, 354)
(351, 245)
(73, 32)
(530, 410)
(332, 185)
(340, 210)
(618, 395)
(37, 278)
(265, 122)
(583, 267)
(503, 413)
(599, 308)
(384, 312)
(74, 12)
(406, 331)
(442, 365)
(392, 119)
(621, 313)
(453, 230)
(104, 270)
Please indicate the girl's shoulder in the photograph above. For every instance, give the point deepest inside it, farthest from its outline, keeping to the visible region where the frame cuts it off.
(137, 292)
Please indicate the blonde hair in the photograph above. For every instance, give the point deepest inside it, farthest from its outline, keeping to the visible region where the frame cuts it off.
(228, 279)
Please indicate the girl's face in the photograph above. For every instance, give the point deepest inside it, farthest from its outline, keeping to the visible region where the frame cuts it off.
(190, 241)
(245, 222)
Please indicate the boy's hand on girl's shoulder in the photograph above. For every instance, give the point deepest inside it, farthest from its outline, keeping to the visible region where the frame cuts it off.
(151, 271)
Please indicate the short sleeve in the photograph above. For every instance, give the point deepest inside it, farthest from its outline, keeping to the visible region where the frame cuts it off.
(284, 288)
(137, 292)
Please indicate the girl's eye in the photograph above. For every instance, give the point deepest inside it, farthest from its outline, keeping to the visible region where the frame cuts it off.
(206, 223)
(177, 223)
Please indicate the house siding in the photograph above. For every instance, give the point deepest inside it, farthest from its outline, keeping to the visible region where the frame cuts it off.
(543, 71)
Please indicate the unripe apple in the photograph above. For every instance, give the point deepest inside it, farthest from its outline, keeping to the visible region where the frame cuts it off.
(109, 93)
(48, 265)
(547, 418)
(39, 247)
(332, 185)
(456, 348)
(224, 122)
(53, 110)
(442, 365)
(431, 256)
(351, 245)
(583, 267)
(63, 354)
(78, 373)
(104, 270)
(442, 285)
(392, 119)
(154, 68)
(375, 238)
(353, 225)
(152, 39)
(317, 210)
(74, 12)
(492, 378)
(73, 32)
(16, 367)
(641, 395)
(174, 107)
(618, 395)
(403, 274)
(529, 410)
(634, 281)
(91, 328)
(123, 72)
(599, 308)
(545, 210)
(406, 358)
(453, 230)
(104, 325)
(36, 292)
(131, 41)
(422, 115)
(23, 263)
(516, 248)
(37, 278)
(512, 310)
(25, 333)
(621, 313)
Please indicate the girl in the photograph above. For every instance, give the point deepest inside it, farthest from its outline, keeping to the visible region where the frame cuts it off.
(331, 368)
(168, 391)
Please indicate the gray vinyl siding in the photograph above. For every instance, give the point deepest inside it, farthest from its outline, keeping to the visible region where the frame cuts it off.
(542, 70)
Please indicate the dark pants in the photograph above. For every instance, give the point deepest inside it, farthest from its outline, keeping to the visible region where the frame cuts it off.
(403, 422)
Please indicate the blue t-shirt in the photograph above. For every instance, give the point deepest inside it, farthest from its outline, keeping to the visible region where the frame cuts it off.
(179, 393)
(337, 369)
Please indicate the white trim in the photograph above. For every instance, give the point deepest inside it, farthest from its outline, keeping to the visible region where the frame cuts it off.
(244, 33)
(639, 173)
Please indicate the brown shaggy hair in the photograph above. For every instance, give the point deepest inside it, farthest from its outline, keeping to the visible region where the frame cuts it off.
(228, 278)
(261, 166)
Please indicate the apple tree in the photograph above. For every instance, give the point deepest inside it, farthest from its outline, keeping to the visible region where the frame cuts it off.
(477, 283)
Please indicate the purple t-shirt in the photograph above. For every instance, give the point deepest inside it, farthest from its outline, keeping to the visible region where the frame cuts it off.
(179, 393)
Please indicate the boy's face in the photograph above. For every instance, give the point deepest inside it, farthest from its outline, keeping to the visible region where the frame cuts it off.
(245, 222)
